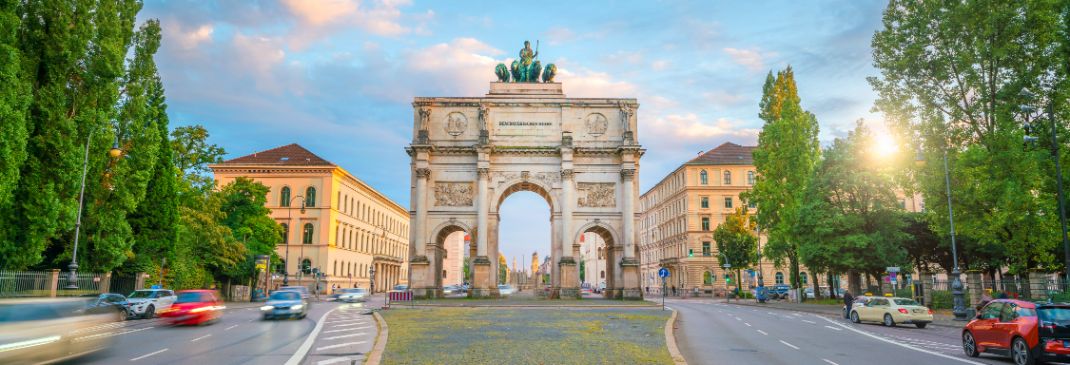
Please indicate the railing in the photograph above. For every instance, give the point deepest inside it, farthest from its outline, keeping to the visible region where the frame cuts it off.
(19, 284)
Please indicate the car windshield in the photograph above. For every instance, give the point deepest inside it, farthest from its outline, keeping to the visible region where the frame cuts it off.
(358, 291)
(193, 297)
(142, 294)
(1054, 314)
(285, 295)
(905, 302)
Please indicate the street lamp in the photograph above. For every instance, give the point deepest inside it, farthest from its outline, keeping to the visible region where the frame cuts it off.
(957, 292)
(114, 152)
(289, 222)
(1027, 110)
(371, 274)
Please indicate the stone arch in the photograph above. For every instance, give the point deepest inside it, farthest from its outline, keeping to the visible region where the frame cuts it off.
(609, 235)
(447, 228)
(518, 185)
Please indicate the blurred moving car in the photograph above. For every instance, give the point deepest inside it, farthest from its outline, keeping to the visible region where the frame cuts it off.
(451, 289)
(779, 291)
(303, 290)
(352, 295)
(146, 302)
(49, 330)
(1025, 331)
(892, 310)
(107, 303)
(285, 304)
(194, 307)
(401, 287)
(505, 290)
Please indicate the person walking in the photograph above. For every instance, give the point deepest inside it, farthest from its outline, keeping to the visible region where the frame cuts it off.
(848, 300)
(674, 290)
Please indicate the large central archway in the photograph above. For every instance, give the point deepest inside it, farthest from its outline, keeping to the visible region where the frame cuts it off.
(470, 154)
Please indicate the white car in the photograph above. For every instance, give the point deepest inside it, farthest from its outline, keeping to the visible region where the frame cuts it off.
(352, 295)
(146, 303)
(505, 290)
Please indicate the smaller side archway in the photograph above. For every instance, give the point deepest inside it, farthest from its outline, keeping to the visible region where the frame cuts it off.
(612, 258)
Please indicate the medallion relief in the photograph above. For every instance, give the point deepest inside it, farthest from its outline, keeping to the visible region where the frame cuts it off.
(456, 123)
(596, 195)
(453, 194)
(596, 124)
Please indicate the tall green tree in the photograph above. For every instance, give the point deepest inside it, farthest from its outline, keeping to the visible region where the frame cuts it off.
(950, 79)
(192, 154)
(14, 98)
(737, 243)
(787, 153)
(851, 221)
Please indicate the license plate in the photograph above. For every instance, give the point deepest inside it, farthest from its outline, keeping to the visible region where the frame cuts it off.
(1066, 344)
(919, 311)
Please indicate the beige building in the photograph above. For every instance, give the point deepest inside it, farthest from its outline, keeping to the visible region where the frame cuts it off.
(593, 254)
(453, 262)
(333, 221)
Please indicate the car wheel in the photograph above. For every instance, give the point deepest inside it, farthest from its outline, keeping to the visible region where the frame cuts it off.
(921, 325)
(1020, 352)
(150, 312)
(969, 346)
(854, 317)
(888, 321)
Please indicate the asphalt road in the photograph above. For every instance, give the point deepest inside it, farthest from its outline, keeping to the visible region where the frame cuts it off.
(711, 332)
(240, 337)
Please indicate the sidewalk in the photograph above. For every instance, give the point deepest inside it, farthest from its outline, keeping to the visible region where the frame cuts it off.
(939, 319)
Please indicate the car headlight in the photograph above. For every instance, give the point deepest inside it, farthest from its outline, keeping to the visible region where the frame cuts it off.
(297, 307)
(267, 307)
(201, 309)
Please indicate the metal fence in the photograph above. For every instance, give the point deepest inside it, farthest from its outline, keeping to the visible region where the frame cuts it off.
(123, 284)
(15, 284)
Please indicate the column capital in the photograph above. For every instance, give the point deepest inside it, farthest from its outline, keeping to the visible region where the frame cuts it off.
(627, 174)
(423, 173)
(483, 172)
(567, 174)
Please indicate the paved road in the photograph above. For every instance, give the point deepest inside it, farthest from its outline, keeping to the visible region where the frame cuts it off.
(242, 337)
(711, 332)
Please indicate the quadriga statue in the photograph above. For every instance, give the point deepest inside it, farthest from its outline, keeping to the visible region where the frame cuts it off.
(527, 68)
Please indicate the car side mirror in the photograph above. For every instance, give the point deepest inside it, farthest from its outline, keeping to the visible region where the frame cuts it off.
(979, 315)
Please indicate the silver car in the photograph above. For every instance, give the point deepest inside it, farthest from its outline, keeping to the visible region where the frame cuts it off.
(285, 304)
(505, 290)
(48, 330)
(352, 295)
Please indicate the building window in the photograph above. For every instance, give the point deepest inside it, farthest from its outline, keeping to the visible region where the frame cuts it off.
(728, 202)
(703, 178)
(603, 274)
(707, 278)
(779, 278)
(284, 197)
(307, 236)
(705, 223)
(902, 204)
(705, 202)
(706, 249)
(752, 205)
(443, 274)
(728, 177)
(306, 266)
(310, 197)
(285, 233)
(751, 176)
(802, 277)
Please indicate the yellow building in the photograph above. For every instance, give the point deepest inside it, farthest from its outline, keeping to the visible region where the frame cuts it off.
(334, 222)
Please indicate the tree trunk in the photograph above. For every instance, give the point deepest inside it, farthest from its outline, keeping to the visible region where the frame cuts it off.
(816, 285)
(854, 283)
(833, 285)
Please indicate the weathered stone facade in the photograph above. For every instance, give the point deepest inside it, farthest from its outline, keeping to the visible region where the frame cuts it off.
(581, 155)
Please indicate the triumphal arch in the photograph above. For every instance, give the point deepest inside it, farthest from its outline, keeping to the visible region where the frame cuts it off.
(470, 153)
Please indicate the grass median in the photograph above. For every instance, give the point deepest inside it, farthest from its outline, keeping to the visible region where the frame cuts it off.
(526, 336)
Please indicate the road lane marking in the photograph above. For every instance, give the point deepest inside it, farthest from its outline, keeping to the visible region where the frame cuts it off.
(344, 336)
(339, 345)
(341, 330)
(830, 362)
(201, 338)
(334, 360)
(110, 334)
(934, 353)
(739, 319)
(147, 355)
(810, 322)
(771, 313)
(796, 314)
(788, 344)
(833, 328)
(349, 320)
(228, 328)
(299, 355)
(349, 325)
(763, 333)
(748, 324)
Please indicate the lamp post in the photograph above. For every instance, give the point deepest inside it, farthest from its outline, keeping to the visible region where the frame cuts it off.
(1050, 110)
(957, 293)
(114, 152)
(286, 240)
(371, 275)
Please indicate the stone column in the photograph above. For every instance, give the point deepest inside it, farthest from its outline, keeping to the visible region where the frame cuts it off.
(973, 279)
(629, 264)
(926, 286)
(568, 267)
(422, 279)
(482, 275)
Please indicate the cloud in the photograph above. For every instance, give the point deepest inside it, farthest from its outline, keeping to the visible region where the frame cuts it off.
(585, 83)
(558, 35)
(321, 12)
(752, 59)
(191, 38)
(689, 127)
(723, 98)
(660, 65)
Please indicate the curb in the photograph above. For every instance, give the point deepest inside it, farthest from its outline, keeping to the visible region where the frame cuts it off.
(670, 341)
(834, 314)
(376, 355)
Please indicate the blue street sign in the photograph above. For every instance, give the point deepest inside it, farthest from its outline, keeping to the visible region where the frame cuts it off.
(155, 286)
(663, 273)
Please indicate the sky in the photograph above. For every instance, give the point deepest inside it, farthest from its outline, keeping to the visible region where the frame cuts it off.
(338, 76)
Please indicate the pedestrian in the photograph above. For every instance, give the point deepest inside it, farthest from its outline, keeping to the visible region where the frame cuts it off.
(848, 300)
(674, 290)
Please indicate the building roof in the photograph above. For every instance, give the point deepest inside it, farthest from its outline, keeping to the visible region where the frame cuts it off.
(288, 155)
(727, 153)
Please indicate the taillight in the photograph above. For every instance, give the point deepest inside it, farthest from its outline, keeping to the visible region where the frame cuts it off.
(903, 310)
(930, 311)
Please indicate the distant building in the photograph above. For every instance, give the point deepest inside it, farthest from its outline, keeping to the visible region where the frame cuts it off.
(453, 262)
(593, 253)
(346, 227)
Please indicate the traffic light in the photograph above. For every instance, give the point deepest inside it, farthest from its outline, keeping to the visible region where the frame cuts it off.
(727, 278)
(690, 252)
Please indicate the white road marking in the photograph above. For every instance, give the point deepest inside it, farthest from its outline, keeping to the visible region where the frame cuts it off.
(833, 328)
(901, 344)
(349, 320)
(334, 360)
(343, 336)
(830, 362)
(339, 345)
(228, 328)
(201, 338)
(341, 330)
(348, 325)
(299, 355)
(810, 322)
(147, 355)
(788, 345)
(763, 333)
(748, 324)
(771, 313)
(739, 319)
(796, 314)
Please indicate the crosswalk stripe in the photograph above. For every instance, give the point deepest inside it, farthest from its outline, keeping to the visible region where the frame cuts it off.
(340, 345)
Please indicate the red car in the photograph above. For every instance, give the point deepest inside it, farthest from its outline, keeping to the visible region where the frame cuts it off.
(194, 307)
(1025, 331)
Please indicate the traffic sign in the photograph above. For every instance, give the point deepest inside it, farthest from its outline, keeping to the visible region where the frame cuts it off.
(727, 265)
(663, 273)
(893, 269)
